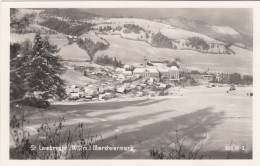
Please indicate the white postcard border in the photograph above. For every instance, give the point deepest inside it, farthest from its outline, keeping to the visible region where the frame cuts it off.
(5, 42)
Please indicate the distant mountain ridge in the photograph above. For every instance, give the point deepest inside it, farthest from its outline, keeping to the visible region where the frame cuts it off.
(221, 33)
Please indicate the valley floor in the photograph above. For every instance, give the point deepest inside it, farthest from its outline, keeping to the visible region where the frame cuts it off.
(209, 116)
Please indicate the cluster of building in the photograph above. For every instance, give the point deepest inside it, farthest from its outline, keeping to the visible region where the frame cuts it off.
(155, 69)
(72, 38)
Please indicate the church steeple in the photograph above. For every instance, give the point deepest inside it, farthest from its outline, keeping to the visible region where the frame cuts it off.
(145, 61)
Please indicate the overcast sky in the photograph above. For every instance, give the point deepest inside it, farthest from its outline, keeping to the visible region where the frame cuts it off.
(240, 19)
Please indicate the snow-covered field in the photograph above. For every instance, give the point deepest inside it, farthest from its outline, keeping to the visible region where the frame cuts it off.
(73, 52)
(224, 30)
(146, 24)
(177, 33)
(91, 35)
(67, 51)
(73, 77)
(201, 115)
(154, 27)
(134, 51)
(131, 51)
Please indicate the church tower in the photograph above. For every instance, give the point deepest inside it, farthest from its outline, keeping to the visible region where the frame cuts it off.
(145, 61)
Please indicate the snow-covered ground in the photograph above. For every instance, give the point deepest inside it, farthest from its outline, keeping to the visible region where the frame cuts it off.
(224, 30)
(201, 115)
(73, 77)
(177, 33)
(91, 35)
(154, 27)
(130, 51)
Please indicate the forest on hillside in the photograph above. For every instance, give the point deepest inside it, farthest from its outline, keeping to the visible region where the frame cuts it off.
(73, 14)
(161, 41)
(66, 28)
(197, 43)
(90, 47)
(129, 28)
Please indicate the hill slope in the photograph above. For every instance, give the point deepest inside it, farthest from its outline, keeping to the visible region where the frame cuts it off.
(132, 46)
(73, 77)
(130, 51)
(225, 34)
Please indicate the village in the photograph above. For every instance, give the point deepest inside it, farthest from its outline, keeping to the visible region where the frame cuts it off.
(149, 78)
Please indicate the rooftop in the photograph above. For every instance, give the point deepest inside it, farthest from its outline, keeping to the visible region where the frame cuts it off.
(174, 68)
(120, 69)
(163, 68)
(127, 72)
(149, 69)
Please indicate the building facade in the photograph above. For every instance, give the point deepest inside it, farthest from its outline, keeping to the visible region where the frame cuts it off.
(146, 72)
(164, 71)
(174, 73)
(157, 69)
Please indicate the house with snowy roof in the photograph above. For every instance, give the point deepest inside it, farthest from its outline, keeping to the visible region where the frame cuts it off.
(119, 70)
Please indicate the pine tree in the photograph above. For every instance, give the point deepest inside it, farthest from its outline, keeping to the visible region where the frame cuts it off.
(17, 89)
(37, 70)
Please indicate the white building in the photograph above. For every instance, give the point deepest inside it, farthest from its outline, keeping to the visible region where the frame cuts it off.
(146, 72)
(120, 70)
(127, 73)
(164, 71)
(174, 73)
(126, 67)
(72, 38)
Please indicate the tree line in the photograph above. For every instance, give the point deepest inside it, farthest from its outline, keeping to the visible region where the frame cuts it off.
(129, 28)
(73, 14)
(66, 28)
(104, 29)
(235, 78)
(105, 60)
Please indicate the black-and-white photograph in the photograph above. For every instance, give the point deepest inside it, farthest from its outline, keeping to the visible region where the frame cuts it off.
(131, 83)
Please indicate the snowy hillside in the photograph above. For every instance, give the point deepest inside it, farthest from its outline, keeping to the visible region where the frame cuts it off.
(224, 30)
(130, 39)
(152, 27)
(221, 33)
